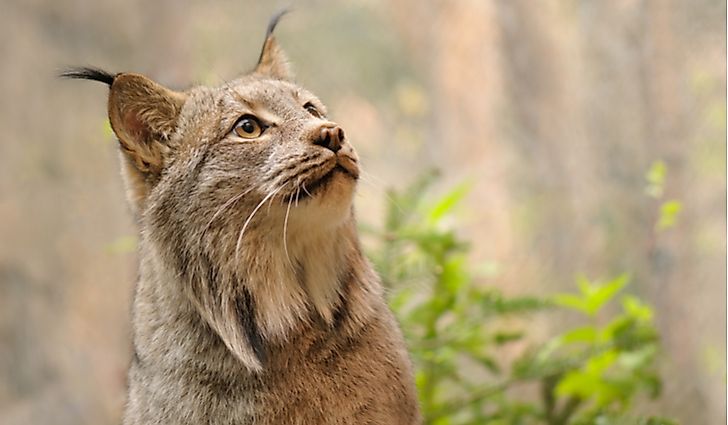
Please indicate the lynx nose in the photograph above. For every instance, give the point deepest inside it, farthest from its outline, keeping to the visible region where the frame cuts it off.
(330, 137)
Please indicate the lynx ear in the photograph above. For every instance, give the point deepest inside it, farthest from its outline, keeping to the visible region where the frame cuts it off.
(273, 61)
(143, 114)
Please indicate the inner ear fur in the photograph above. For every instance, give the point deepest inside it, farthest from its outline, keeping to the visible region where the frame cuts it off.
(273, 61)
(143, 114)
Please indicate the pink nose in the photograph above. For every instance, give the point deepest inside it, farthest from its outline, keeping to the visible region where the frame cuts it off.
(330, 137)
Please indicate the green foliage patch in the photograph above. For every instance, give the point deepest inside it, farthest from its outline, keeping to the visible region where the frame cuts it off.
(475, 361)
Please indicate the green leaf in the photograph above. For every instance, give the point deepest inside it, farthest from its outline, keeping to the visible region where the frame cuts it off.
(572, 302)
(593, 296)
(598, 364)
(603, 294)
(122, 245)
(107, 131)
(588, 382)
(453, 275)
(442, 420)
(446, 204)
(636, 308)
(585, 334)
(487, 362)
(633, 360)
(504, 337)
(421, 378)
(668, 214)
(656, 179)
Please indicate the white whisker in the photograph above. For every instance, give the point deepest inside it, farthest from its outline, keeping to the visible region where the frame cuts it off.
(285, 232)
(298, 189)
(250, 217)
(371, 176)
(365, 177)
(219, 211)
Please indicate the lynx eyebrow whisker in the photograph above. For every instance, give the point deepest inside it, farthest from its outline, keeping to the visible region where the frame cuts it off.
(239, 97)
(225, 81)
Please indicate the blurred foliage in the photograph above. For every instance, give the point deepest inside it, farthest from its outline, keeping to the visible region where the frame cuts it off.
(474, 360)
(123, 245)
(670, 209)
(656, 179)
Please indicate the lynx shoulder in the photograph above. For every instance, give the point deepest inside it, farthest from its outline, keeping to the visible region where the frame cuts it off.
(255, 304)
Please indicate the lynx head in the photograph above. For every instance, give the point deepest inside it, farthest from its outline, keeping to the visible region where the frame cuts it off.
(232, 181)
(261, 133)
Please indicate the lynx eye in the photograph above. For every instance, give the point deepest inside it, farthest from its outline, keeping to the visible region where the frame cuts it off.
(248, 127)
(312, 110)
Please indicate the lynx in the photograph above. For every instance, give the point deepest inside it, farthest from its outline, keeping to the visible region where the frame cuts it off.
(254, 304)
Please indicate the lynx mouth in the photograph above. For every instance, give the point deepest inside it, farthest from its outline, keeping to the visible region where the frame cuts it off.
(310, 191)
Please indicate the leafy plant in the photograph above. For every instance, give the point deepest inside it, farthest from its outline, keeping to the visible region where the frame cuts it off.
(474, 362)
(670, 209)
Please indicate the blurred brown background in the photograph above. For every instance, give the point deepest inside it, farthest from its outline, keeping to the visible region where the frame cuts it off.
(553, 109)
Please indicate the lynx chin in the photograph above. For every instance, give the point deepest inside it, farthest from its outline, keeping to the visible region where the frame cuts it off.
(254, 304)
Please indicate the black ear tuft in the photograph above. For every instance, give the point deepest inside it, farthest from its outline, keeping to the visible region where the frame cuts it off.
(274, 21)
(89, 73)
(271, 27)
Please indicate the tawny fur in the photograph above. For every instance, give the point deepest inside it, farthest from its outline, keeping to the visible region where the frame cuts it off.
(254, 303)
